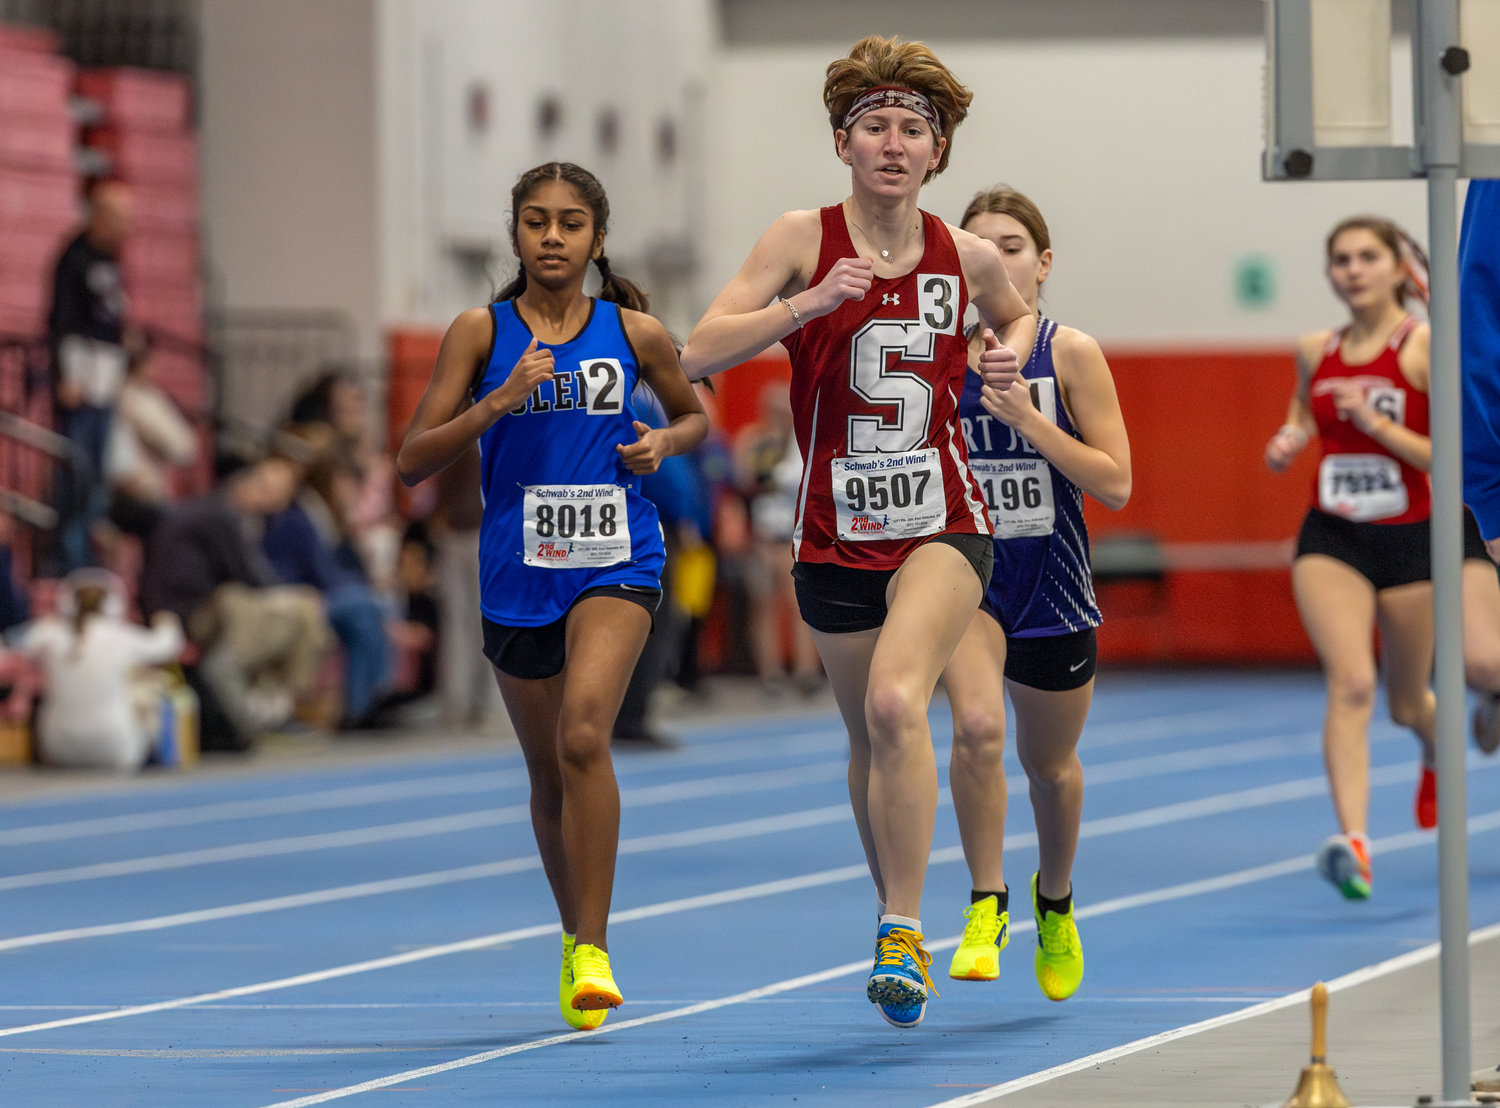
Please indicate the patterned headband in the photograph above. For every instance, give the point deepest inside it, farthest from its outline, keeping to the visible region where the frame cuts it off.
(892, 96)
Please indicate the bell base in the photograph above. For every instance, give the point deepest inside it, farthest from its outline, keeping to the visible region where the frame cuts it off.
(1318, 1088)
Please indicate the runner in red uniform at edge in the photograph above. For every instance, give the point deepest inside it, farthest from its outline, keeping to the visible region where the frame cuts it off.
(892, 543)
(1363, 554)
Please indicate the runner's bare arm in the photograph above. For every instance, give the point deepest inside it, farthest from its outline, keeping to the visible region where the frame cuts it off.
(1412, 448)
(1100, 464)
(990, 291)
(745, 318)
(443, 426)
(660, 370)
(1300, 426)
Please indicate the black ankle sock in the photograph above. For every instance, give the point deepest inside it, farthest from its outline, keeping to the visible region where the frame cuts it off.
(1002, 899)
(1061, 907)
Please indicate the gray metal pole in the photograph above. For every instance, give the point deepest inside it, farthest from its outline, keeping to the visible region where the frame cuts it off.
(1440, 145)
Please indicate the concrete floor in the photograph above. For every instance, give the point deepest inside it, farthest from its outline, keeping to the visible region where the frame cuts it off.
(1383, 1042)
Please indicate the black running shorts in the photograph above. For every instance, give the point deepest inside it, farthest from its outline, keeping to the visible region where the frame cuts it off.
(536, 653)
(838, 600)
(1052, 663)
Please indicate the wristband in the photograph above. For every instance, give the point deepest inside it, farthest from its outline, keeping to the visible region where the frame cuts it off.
(796, 315)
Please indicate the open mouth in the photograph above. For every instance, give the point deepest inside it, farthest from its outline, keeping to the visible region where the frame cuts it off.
(893, 170)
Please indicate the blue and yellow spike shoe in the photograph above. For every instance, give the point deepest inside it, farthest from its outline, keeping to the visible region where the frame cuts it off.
(577, 1020)
(899, 983)
(1344, 862)
(985, 935)
(1059, 954)
(594, 987)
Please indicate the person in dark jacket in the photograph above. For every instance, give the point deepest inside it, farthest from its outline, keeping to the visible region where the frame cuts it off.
(86, 334)
(261, 640)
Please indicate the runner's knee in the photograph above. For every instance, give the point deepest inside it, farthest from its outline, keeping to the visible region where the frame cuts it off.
(1407, 709)
(979, 733)
(1354, 692)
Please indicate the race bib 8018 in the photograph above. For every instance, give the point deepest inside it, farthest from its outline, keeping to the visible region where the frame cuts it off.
(575, 526)
(889, 496)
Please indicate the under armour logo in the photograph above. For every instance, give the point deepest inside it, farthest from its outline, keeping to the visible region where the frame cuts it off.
(891, 298)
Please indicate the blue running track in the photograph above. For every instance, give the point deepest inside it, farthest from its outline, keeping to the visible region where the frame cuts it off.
(274, 938)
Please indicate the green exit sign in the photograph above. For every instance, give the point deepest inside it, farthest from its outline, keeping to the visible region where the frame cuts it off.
(1255, 282)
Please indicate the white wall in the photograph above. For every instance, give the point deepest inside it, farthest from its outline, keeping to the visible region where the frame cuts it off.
(288, 156)
(1142, 152)
(445, 197)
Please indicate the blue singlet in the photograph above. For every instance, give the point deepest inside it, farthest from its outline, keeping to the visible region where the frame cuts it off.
(1042, 584)
(562, 514)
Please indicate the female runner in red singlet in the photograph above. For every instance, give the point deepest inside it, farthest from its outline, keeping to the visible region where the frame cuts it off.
(892, 543)
(1363, 555)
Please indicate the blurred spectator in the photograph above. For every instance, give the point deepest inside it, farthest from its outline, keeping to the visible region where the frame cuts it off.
(677, 490)
(148, 435)
(15, 604)
(468, 683)
(769, 468)
(337, 399)
(89, 646)
(85, 331)
(309, 543)
(261, 643)
(416, 633)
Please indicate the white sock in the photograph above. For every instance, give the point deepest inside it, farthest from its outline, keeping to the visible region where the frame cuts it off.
(902, 921)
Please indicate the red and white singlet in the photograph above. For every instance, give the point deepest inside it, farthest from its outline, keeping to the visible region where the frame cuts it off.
(875, 390)
(1358, 479)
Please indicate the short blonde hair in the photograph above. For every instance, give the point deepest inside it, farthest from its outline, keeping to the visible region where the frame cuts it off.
(876, 61)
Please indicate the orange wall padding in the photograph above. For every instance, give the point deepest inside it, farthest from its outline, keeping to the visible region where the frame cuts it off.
(1198, 424)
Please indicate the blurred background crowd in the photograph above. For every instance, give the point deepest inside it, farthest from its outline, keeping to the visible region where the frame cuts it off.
(289, 583)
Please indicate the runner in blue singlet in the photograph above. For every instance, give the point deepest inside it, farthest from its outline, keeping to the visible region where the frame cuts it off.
(1035, 449)
(571, 553)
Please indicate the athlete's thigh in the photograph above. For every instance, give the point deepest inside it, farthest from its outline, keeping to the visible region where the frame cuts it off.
(533, 707)
(846, 660)
(1049, 724)
(1405, 614)
(930, 603)
(605, 637)
(975, 674)
(1337, 604)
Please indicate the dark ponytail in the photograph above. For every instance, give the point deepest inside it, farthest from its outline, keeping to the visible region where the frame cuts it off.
(615, 288)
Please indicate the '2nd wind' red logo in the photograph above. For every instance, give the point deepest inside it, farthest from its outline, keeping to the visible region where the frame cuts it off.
(554, 551)
(867, 524)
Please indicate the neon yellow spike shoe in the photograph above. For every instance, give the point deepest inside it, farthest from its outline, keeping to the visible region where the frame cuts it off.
(578, 1021)
(985, 936)
(1059, 954)
(594, 987)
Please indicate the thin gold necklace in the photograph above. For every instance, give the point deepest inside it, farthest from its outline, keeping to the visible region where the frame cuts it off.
(886, 254)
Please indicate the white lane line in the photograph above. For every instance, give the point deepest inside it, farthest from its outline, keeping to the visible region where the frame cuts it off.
(817, 737)
(1338, 984)
(1199, 723)
(732, 784)
(1106, 825)
(1108, 907)
(763, 889)
(322, 800)
(765, 825)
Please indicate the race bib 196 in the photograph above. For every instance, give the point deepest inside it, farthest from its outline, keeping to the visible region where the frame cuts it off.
(889, 496)
(575, 526)
(1018, 493)
(1361, 487)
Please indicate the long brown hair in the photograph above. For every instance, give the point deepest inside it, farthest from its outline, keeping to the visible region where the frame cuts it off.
(615, 288)
(1004, 200)
(876, 61)
(1397, 241)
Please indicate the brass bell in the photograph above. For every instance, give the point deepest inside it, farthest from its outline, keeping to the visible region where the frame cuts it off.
(1318, 1087)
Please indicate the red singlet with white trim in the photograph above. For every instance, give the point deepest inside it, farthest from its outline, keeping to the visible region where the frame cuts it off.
(1358, 479)
(875, 390)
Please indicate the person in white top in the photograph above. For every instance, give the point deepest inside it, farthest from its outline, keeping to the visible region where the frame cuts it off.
(148, 435)
(89, 653)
